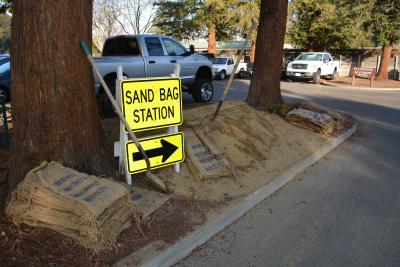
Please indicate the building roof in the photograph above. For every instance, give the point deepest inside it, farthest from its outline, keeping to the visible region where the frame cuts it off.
(221, 45)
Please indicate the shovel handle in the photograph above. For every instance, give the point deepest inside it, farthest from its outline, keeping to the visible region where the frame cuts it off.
(85, 48)
(154, 179)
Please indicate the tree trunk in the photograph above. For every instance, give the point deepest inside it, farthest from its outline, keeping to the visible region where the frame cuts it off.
(212, 41)
(383, 73)
(55, 115)
(253, 51)
(265, 88)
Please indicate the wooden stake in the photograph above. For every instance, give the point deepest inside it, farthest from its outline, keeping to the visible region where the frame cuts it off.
(228, 85)
(153, 179)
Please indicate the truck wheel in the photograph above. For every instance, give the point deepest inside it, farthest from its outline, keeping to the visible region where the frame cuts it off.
(202, 90)
(333, 75)
(105, 106)
(222, 76)
(317, 77)
(241, 73)
(4, 93)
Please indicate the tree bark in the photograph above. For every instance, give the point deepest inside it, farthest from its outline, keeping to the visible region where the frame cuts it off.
(383, 73)
(253, 51)
(55, 115)
(309, 48)
(265, 86)
(212, 41)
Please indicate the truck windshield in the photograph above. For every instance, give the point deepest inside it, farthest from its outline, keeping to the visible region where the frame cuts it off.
(310, 57)
(219, 60)
(121, 47)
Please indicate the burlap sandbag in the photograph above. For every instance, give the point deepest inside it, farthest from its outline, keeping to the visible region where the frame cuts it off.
(92, 210)
(312, 120)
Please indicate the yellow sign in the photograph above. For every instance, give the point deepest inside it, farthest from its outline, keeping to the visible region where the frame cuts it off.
(161, 150)
(152, 103)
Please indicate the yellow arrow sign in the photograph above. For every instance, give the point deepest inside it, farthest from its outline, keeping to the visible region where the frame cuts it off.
(162, 151)
(152, 103)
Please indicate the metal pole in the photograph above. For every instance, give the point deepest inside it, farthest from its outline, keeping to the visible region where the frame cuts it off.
(123, 137)
(378, 63)
(174, 129)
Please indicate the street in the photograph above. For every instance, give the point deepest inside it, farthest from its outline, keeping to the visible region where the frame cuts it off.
(343, 211)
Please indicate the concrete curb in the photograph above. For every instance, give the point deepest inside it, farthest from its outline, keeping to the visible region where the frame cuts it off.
(185, 246)
(360, 87)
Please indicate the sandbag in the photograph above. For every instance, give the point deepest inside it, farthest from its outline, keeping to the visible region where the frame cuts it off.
(89, 209)
(312, 120)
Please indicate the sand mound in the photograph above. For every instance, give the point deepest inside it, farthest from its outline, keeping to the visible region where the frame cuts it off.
(256, 144)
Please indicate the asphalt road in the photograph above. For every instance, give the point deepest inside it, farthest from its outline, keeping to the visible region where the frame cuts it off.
(343, 211)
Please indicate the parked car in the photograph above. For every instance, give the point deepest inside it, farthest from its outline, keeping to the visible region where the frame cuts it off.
(154, 56)
(5, 75)
(250, 67)
(223, 67)
(284, 67)
(312, 66)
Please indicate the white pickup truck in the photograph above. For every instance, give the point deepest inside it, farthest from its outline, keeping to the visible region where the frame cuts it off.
(223, 67)
(312, 66)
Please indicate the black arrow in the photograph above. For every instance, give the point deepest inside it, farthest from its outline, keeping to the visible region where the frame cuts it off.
(166, 150)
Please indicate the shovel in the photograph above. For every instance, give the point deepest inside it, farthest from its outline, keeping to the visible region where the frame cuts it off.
(152, 178)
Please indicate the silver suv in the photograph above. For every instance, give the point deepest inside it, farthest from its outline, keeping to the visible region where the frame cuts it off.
(154, 56)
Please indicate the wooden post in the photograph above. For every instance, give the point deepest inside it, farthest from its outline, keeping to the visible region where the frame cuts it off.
(353, 80)
(372, 78)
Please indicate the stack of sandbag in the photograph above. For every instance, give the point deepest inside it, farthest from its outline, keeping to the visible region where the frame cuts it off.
(205, 161)
(312, 120)
(89, 209)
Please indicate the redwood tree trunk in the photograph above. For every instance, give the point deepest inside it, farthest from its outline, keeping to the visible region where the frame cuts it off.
(265, 88)
(55, 115)
(309, 47)
(383, 73)
(212, 41)
(253, 51)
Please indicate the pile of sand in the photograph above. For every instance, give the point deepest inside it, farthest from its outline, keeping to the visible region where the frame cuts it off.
(256, 144)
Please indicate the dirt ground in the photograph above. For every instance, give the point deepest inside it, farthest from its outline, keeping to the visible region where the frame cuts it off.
(30, 246)
(362, 82)
(257, 144)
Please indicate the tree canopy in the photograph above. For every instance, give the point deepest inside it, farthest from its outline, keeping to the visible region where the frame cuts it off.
(6, 5)
(5, 32)
(385, 22)
(244, 13)
(180, 19)
(324, 24)
(190, 19)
